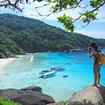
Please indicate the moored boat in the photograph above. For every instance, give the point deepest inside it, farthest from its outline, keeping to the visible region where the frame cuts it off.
(64, 76)
(45, 71)
(46, 75)
(57, 68)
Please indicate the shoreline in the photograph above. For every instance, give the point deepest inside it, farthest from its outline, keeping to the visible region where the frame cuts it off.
(5, 61)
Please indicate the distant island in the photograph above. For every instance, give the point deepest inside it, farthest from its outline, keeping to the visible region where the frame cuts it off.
(19, 35)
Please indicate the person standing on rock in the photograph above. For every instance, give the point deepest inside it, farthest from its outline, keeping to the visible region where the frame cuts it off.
(96, 65)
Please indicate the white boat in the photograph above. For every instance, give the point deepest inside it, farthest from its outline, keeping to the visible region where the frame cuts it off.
(49, 74)
(57, 68)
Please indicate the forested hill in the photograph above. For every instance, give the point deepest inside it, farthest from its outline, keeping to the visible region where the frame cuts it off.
(20, 34)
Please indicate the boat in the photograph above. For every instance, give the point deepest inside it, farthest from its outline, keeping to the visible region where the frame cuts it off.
(46, 75)
(57, 68)
(44, 71)
(65, 76)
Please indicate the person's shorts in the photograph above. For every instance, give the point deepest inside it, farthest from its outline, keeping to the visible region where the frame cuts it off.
(96, 68)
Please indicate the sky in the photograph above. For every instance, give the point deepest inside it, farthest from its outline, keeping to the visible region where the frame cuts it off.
(95, 29)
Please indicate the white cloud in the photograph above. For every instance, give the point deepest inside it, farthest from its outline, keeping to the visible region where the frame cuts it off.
(29, 11)
(100, 20)
(101, 16)
(95, 34)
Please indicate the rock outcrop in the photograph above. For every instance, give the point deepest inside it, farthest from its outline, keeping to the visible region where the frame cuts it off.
(33, 88)
(27, 96)
(89, 96)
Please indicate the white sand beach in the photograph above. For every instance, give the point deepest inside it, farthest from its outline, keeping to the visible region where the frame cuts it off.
(5, 61)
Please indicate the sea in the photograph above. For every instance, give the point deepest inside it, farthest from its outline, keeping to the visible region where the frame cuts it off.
(77, 74)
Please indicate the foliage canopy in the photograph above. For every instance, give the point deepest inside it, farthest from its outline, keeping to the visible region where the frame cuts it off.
(88, 11)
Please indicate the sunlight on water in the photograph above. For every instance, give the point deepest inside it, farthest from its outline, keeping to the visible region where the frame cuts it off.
(25, 71)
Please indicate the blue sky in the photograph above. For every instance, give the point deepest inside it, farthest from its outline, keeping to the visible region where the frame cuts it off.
(94, 29)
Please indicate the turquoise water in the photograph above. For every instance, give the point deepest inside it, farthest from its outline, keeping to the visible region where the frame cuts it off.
(25, 71)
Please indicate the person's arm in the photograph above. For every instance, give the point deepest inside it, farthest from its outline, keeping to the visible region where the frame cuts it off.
(90, 55)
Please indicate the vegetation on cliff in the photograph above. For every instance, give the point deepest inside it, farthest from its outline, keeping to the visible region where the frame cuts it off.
(7, 101)
(20, 34)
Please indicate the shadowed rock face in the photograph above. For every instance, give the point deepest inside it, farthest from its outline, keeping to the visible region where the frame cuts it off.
(89, 96)
(27, 96)
(33, 88)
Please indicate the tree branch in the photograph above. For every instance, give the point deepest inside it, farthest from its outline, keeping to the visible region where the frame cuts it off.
(43, 5)
(97, 7)
(7, 3)
(58, 9)
(82, 14)
(78, 3)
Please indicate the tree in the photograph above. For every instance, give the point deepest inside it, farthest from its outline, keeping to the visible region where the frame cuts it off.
(86, 15)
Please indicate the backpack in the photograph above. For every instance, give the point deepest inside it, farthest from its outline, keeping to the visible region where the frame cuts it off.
(102, 58)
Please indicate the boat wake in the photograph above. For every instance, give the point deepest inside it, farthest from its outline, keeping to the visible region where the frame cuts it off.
(32, 58)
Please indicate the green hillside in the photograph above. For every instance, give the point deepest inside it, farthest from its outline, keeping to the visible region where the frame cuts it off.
(20, 34)
(8, 47)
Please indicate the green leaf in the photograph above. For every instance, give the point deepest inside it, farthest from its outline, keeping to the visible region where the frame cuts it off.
(67, 22)
(53, 7)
